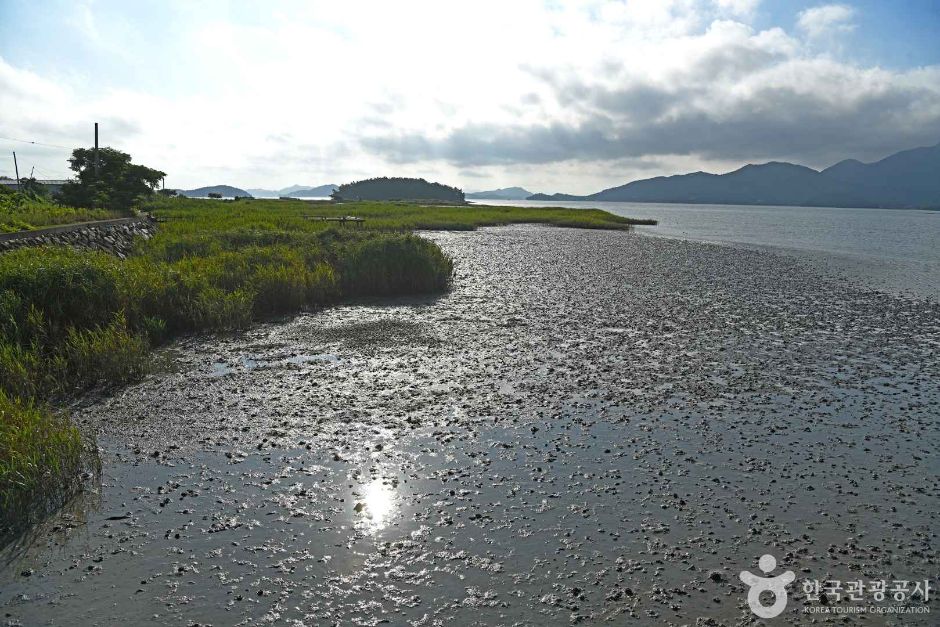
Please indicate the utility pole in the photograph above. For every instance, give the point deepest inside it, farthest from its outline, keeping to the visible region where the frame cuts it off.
(16, 168)
(96, 152)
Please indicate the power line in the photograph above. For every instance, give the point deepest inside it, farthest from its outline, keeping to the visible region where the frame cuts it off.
(48, 175)
(42, 170)
(39, 143)
(26, 141)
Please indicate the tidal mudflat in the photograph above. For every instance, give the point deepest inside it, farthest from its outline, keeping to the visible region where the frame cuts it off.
(592, 427)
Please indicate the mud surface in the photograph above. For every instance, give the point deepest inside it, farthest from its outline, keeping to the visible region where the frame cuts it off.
(593, 427)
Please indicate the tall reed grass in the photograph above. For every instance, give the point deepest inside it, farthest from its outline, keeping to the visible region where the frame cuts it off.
(41, 454)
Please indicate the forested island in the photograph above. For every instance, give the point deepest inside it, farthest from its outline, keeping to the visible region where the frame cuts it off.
(219, 191)
(398, 188)
(503, 193)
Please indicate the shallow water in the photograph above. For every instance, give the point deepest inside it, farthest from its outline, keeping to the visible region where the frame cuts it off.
(892, 250)
(593, 427)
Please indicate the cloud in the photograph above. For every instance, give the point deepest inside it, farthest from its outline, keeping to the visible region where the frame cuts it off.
(38, 109)
(826, 20)
(738, 8)
(562, 94)
(728, 94)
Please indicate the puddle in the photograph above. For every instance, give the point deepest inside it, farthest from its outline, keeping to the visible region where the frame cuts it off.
(246, 364)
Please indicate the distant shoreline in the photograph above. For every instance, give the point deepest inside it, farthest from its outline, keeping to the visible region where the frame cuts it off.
(891, 250)
(549, 203)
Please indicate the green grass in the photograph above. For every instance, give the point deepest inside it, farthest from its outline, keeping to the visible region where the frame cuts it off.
(21, 212)
(187, 214)
(74, 320)
(41, 453)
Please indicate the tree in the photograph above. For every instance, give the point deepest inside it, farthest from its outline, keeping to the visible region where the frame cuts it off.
(118, 185)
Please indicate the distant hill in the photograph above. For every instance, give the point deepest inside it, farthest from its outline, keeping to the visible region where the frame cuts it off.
(772, 183)
(908, 179)
(258, 192)
(313, 192)
(203, 192)
(398, 188)
(299, 191)
(504, 193)
(290, 189)
(556, 197)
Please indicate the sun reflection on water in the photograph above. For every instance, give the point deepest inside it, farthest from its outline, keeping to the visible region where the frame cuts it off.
(377, 504)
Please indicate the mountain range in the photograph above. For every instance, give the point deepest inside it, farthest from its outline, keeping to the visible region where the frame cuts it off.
(297, 191)
(907, 179)
(504, 193)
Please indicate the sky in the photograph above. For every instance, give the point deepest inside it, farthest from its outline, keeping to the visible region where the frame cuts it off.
(551, 95)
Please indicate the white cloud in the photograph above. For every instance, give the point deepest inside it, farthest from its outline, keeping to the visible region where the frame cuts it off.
(826, 20)
(738, 8)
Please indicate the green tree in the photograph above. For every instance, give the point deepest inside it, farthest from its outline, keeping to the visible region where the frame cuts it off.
(118, 185)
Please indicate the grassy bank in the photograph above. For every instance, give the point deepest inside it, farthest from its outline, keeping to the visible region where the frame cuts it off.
(380, 216)
(71, 320)
(20, 212)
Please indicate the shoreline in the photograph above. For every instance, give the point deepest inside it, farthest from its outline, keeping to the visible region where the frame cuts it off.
(890, 250)
(840, 265)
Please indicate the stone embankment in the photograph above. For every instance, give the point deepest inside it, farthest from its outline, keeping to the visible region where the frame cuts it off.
(111, 236)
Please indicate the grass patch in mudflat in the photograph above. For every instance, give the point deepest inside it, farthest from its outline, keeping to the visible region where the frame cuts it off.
(42, 456)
